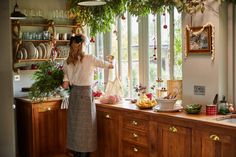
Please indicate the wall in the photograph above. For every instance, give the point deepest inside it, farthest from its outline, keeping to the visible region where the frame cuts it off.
(199, 69)
(47, 8)
(7, 134)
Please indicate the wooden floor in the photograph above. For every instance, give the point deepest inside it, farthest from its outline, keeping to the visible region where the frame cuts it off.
(58, 155)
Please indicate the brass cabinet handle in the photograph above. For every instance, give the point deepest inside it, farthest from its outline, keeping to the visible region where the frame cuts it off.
(173, 129)
(134, 122)
(108, 116)
(215, 137)
(49, 108)
(135, 149)
(135, 135)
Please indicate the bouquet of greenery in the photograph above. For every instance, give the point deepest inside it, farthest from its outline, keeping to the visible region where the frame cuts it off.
(48, 78)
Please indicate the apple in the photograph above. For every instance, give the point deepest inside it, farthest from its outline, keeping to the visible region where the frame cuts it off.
(149, 95)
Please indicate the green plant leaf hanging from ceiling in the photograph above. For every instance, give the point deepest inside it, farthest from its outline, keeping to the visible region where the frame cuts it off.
(100, 18)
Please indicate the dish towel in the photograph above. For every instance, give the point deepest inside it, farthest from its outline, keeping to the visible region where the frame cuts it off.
(65, 102)
(65, 97)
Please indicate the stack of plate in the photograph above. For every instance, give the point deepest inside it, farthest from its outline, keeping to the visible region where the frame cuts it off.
(44, 50)
(31, 52)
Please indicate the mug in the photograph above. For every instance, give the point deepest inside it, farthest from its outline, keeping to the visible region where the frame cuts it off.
(211, 109)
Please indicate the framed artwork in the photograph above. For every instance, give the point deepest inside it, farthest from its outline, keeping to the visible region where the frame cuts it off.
(199, 40)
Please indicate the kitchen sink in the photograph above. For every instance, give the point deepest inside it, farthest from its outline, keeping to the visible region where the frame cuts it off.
(228, 118)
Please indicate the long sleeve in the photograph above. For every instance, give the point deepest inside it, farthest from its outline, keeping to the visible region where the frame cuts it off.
(65, 70)
(100, 63)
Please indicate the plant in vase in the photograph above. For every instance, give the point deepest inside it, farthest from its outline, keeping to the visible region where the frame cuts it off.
(48, 78)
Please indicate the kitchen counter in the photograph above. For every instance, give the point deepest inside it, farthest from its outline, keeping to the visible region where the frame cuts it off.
(126, 130)
(127, 105)
(213, 119)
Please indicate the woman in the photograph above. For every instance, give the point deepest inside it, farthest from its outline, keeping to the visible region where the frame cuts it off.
(78, 73)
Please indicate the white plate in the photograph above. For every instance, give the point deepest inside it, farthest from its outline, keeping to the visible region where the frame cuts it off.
(40, 55)
(36, 56)
(19, 54)
(48, 48)
(176, 108)
(44, 50)
(24, 51)
(29, 46)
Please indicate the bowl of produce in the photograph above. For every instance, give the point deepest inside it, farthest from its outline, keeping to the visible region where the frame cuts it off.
(193, 108)
(145, 103)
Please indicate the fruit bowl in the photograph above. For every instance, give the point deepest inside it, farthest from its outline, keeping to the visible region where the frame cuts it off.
(193, 108)
(145, 103)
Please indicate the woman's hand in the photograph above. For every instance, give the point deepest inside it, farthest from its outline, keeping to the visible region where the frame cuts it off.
(65, 84)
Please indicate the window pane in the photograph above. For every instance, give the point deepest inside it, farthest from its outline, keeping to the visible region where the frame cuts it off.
(165, 53)
(114, 43)
(134, 52)
(99, 73)
(178, 46)
(152, 50)
(124, 54)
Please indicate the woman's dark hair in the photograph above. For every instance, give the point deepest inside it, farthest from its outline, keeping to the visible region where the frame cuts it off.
(73, 55)
(77, 39)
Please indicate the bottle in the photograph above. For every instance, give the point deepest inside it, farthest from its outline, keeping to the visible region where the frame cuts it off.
(215, 100)
(222, 107)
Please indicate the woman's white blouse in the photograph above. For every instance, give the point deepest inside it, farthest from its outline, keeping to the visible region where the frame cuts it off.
(82, 73)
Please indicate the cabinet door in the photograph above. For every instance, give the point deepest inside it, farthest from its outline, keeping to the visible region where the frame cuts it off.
(108, 134)
(173, 141)
(50, 129)
(209, 144)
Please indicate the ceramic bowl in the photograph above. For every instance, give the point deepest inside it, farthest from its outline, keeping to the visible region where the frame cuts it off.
(193, 108)
(166, 104)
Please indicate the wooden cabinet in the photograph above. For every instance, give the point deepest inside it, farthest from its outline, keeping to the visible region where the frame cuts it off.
(41, 132)
(41, 128)
(173, 140)
(108, 133)
(134, 135)
(213, 144)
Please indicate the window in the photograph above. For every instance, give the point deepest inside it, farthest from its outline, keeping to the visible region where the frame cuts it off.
(163, 41)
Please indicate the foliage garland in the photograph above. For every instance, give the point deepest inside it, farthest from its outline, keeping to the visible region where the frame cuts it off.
(100, 18)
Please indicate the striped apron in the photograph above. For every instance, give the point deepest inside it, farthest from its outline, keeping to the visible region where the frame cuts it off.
(81, 122)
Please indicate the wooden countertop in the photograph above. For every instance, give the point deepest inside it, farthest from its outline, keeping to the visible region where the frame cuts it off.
(182, 115)
(214, 120)
(27, 100)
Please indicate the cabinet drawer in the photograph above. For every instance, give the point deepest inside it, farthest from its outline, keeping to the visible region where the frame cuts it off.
(107, 115)
(137, 137)
(131, 150)
(49, 106)
(135, 123)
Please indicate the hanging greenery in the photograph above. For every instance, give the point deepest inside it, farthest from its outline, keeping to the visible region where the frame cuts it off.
(100, 18)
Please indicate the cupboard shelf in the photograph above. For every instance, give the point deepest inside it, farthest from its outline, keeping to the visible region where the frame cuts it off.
(49, 26)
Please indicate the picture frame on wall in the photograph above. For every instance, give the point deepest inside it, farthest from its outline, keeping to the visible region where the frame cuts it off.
(199, 40)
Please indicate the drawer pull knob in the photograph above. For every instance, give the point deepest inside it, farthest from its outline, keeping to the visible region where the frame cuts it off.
(108, 116)
(49, 108)
(134, 123)
(135, 149)
(173, 129)
(135, 135)
(215, 138)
